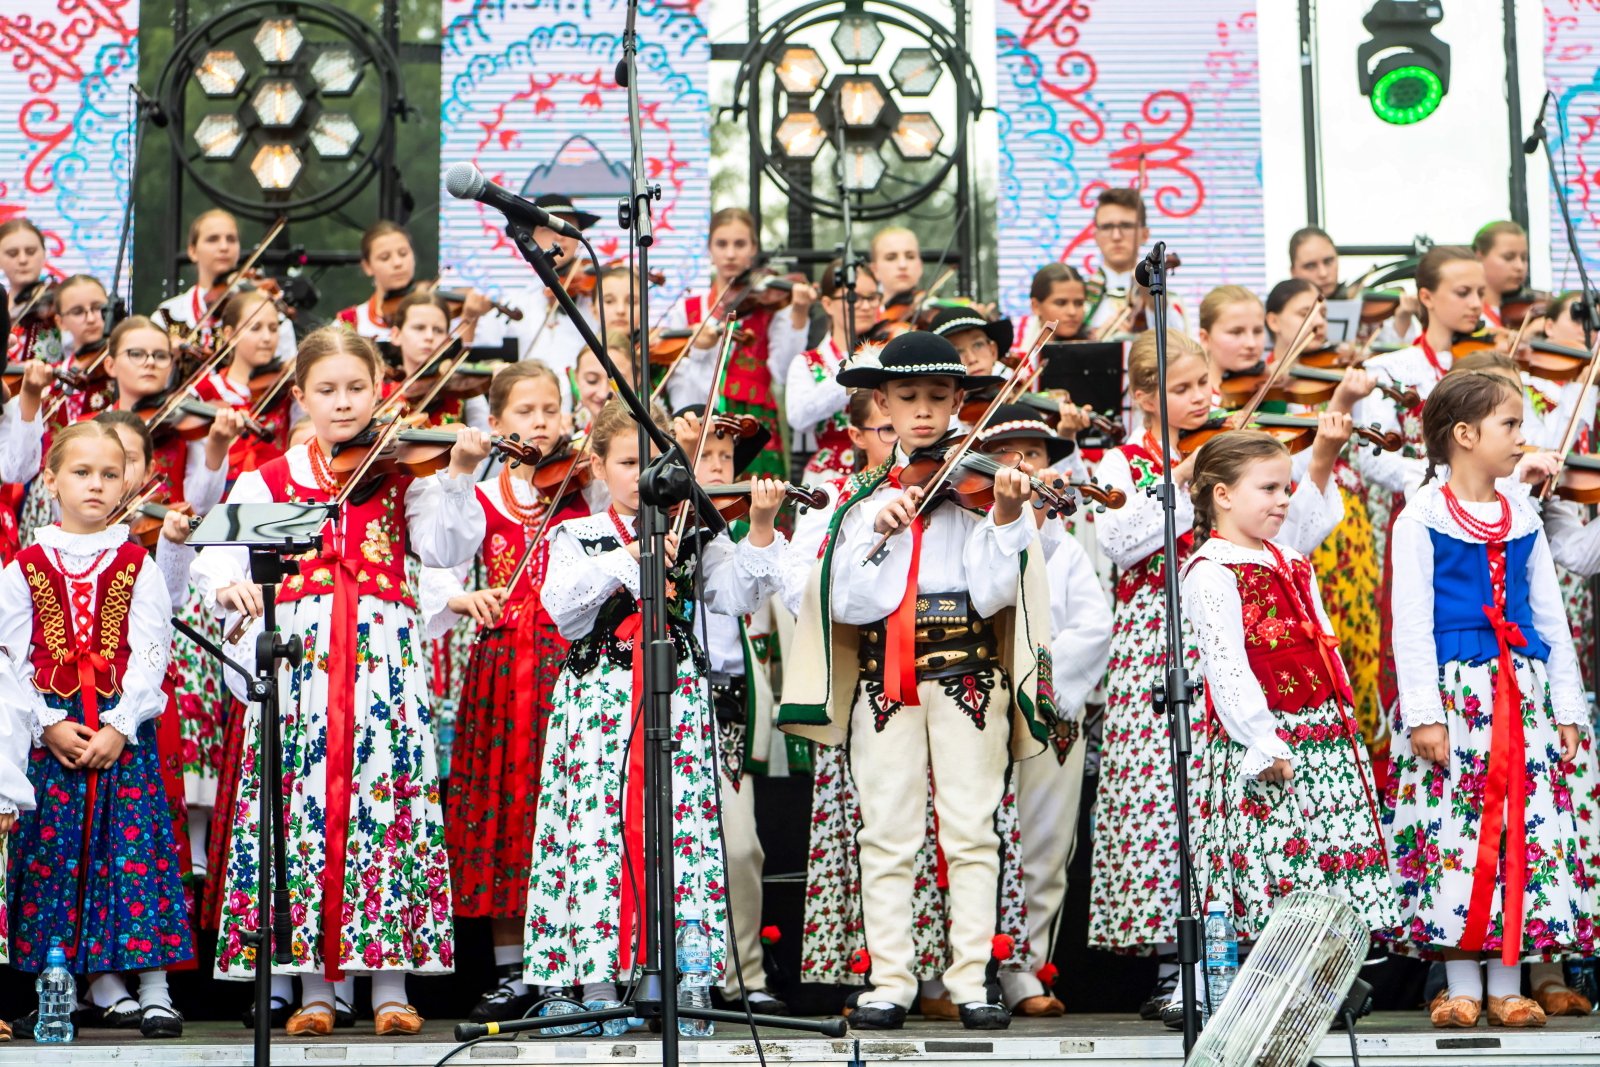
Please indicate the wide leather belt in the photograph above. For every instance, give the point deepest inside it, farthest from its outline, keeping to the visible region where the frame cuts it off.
(728, 697)
(950, 639)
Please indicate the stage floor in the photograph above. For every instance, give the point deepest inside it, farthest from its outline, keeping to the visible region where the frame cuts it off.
(1386, 1039)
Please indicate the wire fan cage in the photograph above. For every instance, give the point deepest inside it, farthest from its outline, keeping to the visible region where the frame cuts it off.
(1290, 988)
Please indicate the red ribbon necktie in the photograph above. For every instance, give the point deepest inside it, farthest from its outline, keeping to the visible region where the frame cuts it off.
(900, 637)
(91, 666)
(633, 873)
(1505, 795)
(341, 754)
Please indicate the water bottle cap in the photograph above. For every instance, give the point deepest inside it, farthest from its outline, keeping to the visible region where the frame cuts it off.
(57, 956)
(1216, 908)
(691, 913)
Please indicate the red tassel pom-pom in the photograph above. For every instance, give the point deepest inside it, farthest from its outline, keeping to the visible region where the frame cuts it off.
(860, 961)
(1001, 947)
(771, 935)
(1047, 975)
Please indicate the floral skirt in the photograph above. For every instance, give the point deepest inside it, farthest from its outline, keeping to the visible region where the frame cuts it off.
(499, 746)
(113, 865)
(574, 926)
(222, 817)
(1133, 902)
(5, 928)
(202, 699)
(397, 914)
(1349, 574)
(1256, 842)
(1433, 814)
(834, 933)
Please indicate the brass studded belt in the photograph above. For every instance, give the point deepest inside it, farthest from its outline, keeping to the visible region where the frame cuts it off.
(950, 639)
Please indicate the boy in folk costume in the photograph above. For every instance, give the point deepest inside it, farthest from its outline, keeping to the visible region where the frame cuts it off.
(937, 657)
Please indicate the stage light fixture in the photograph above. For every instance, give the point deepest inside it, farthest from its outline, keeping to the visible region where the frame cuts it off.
(800, 70)
(1404, 70)
(278, 103)
(863, 167)
(279, 39)
(219, 136)
(335, 135)
(917, 136)
(276, 167)
(859, 102)
(857, 38)
(800, 135)
(336, 70)
(219, 73)
(915, 71)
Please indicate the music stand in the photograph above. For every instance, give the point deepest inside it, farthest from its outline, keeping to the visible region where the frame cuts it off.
(274, 534)
(1092, 374)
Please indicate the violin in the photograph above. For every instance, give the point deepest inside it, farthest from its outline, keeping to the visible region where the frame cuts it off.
(1309, 385)
(971, 482)
(35, 305)
(565, 471)
(733, 501)
(1517, 306)
(189, 418)
(455, 300)
(1378, 305)
(1553, 362)
(585, 280)
(1049, 409)
(1295, 432)
(383, 449)
(149, 517)
(244, 280)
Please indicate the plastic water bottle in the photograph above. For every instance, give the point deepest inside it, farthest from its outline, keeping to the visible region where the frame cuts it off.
(58, 994)
(694, 974)
(1222, 954)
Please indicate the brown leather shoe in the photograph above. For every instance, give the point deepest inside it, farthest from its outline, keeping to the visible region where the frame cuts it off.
(392, 1018)
(5, 1030)
(938, 1008)
(313, 1020)
(1043, 1006)
(1557, 999)
(1515, 1011)
(1459, 1013)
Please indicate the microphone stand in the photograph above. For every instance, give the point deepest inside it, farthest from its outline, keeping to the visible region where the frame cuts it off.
(847, 257)
(1175, 695)
(664, 481)
(144, 111)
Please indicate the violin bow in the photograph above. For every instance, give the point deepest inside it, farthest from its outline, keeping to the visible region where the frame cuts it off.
(743, 281)
(177, 396)
(578, 452)
(131, 504)
(707, 418)
(552, 306)
(1280, 367)
(954, 456)
(258, 410)
(444, 376)
(386, 436)
(61, 397)
(397, 399)
(238, 279)
(1570, 437)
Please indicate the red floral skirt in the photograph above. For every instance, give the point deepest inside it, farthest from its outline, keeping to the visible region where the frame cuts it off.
(493, 789)
(233, 744)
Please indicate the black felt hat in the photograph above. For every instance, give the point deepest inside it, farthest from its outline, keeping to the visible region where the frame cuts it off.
(1019, 422)
(917, 354)
(561, 204)
(745, 449)
(951, 320)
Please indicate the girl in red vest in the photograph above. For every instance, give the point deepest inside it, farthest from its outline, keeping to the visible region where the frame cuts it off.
(1285, 792)
(421, 326)
(249, 318)
(367, 865)
(510, 676)
(84, 627)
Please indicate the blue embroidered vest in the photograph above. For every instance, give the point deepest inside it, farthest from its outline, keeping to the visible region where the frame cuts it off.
(1461, 588)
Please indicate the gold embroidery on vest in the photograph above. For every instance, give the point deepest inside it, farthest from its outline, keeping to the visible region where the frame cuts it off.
(119, 598)
(52, 622)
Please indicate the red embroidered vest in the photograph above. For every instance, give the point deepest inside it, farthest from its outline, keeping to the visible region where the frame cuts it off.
(370, 537)
(248, 452)
(504, 542)
(171, 461)
(1279, 638)
(57, 645)
(446, 410)
(749, 380)
(1149, 572)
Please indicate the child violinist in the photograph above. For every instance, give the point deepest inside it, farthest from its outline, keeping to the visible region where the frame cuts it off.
(814, 401)
(94, 870)
(1502, 248)
(1056, 294)
(213, 248)
(593, 383)
(1483, 840)
(585, 906)
(389, 260)
(1285, 793)
(1134, 895)
(250, 324)
(34, 335)
(509, 681)
(421, 328)
(895, 258)
(367, 864)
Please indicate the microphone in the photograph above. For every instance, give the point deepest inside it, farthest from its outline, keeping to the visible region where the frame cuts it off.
(467, 182)
(1531, 144)
(1146, 267)
(152, 110)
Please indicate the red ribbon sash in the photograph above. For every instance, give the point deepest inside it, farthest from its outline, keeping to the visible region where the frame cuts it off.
(341, 756)
(633, 874)
(1505, 800)
(900, 638)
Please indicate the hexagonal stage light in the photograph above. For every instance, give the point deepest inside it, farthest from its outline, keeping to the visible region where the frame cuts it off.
(857, 38)
(277, 167)
(801, 70)
(915, 71)
(863, 167)
(800, 135)
(219, 136)
(335, 135)
(278, 103)
(278, 40)
(917, 136)
(219, 73)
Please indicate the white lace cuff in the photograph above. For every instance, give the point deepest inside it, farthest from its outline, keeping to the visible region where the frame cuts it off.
(1258, 757)
(620, 564)
(8, 808)
(1570, 711)
(124, 722)
(44, 717)
(761, 562)
(1422, 707)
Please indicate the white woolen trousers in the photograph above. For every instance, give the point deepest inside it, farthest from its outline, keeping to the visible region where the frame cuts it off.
(890, 768)
(1048, 795)
(745, 859)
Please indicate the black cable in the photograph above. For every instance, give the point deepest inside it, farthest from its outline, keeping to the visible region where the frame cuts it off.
(544, 1034)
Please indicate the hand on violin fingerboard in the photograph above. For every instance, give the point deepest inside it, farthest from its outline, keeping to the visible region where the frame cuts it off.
(471, 448)
(225, 429)
(766, 497)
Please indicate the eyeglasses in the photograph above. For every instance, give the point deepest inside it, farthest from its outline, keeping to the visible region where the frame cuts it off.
(886, 434)
(93, 311)
(1578, 310)
(1115, 227)
(139, 356)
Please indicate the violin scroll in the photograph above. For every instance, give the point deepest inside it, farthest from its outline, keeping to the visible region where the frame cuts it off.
(1104, 496)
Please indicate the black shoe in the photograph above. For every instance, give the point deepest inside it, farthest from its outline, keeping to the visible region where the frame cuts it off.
(278, 1016)
(1150, 1010)
(161, 1023)
(500, 1005)
(876, 1017)
(344, 1016)
(22, 1029)
(125, 1014)
(761, 1003)
(985, 1017)
(1172, 1015)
